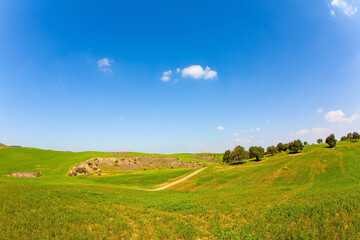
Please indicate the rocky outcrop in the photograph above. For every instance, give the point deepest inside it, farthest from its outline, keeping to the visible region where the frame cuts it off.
(97, 165)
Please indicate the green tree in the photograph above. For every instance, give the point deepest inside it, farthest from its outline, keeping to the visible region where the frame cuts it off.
(331, 140)
(296, 146)
(280, 147)
(349, 136)
(343, 138)
(319, 141)
(305, 143)
(256, 152)
(271, 150)
(286, 147)
(355, 136)
(227, 156)
(239, 154)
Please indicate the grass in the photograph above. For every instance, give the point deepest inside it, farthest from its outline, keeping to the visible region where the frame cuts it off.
(313, 195)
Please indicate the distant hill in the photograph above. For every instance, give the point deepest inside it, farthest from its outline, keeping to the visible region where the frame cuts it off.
(2, 145)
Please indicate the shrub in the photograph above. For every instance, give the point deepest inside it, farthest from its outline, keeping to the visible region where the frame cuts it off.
(81, 170)
(331, 140)
(305, 143)
(319, 141)
(343, 138)
(227, 156)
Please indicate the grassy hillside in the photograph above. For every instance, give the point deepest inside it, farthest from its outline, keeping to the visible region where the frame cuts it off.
(311, 195)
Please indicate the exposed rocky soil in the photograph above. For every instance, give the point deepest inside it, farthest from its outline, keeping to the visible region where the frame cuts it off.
(210, 158)
(25, 174)
(96, 165)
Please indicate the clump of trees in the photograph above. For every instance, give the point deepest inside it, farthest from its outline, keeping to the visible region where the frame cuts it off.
(239, 154)
(331, 141)
(296, 146)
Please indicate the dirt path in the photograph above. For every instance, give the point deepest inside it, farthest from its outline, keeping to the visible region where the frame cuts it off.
(177, 181)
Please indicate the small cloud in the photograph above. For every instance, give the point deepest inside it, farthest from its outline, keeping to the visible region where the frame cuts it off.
(121, 118)
(242, 140)
(320, 110)
(302, 132)
(178, 70)
(197, 72)
(104, 65)
(339, 116)
(251, 136)
(166, 76)
(220, 128)
(258, 129)
(332, 12)
(236, 134)
(344, 6)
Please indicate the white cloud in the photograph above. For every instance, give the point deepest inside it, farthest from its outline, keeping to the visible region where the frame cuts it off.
(344, 6)
(242, 140)
(121, 118)
(236, 134)
(302, 132)
(320, 110)
(339, 116)
(178, 70)
(166, 76)
(220, 128)
(332, 12)
(197, 72)
(104, 65)
(258, 129)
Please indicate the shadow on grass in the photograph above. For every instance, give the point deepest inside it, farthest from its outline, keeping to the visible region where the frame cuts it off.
(237, 163)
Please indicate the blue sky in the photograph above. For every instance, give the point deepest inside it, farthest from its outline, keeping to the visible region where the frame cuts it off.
(177, 76)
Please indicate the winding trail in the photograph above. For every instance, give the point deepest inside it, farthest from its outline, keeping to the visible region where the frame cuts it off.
(172, 183)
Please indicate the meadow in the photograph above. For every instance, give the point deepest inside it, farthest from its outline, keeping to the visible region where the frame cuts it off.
(312, 195)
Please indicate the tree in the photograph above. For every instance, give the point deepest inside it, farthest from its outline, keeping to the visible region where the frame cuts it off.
(280, 147)
(331, 140)
(227, 156)
(271, 150)
(286, 147)
(356, 136)
(296, 146)
(319, 141)
(256, 152)
(239, 154)
(343, 138)
(349, 136)
(305, 143)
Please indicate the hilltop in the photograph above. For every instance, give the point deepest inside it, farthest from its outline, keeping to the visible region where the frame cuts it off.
(310, 195)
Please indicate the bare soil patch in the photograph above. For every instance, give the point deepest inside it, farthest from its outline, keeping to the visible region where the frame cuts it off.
(25, 174)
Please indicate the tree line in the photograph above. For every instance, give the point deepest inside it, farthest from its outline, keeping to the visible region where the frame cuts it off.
(239, 154)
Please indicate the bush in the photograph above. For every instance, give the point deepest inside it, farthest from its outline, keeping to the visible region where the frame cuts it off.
(305, 143)
(81, 170)
(296, 146)
(331, 140)
(256, 152)
(319, 141)
(227, 156)
(343, 138)
(349, 136)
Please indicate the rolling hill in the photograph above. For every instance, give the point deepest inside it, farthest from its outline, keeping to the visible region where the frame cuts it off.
(314, 194)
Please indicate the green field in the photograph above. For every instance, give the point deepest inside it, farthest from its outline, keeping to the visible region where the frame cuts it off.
(313, 195)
